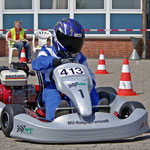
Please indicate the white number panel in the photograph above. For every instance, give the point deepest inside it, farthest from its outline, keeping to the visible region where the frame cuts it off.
(71, 71)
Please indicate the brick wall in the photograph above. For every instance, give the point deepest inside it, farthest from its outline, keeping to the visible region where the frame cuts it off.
(113, 48)
(2, 47)
(148, 49)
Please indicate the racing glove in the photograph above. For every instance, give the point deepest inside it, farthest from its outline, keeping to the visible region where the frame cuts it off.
(56, 62)
(68, 60)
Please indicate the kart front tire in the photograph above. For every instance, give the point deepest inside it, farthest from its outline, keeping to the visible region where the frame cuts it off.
(109, 90)
(104, 92)
(128, 107)
(7, 115)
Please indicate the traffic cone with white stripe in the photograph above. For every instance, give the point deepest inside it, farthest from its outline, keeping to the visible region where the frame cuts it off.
(101, 69)
(23, 56)
(125, 87)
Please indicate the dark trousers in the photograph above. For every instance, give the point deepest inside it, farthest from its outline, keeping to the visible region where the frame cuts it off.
(26, 45)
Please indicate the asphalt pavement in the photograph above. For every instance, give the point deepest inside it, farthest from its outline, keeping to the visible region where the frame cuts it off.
(140, 75)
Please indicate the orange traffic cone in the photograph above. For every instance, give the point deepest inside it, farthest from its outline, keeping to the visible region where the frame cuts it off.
(125, 87)
(101, 69)
(23, 56)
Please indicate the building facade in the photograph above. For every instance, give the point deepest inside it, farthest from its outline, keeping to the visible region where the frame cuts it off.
(92, 14)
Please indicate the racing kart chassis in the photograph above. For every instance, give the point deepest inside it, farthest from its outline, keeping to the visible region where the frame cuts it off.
(119, 119)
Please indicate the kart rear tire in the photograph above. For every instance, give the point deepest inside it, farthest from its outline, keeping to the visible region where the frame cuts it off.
(7, 115)
(128, 107)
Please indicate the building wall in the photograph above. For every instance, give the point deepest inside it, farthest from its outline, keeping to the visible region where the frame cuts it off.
(113, 48)
(96, 14)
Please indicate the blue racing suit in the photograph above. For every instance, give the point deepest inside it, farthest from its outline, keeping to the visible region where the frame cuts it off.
(51, 97)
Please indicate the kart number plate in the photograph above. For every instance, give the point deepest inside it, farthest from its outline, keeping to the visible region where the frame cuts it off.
(71, 71)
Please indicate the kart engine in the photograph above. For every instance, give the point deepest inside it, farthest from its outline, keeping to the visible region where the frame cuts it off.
(14, 87)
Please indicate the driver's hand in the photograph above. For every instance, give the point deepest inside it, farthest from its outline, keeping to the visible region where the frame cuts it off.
(57, 62)
(67, 60)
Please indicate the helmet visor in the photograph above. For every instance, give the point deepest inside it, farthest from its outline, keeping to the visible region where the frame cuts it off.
(72, 44)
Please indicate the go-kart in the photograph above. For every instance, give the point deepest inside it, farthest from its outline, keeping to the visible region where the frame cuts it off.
(22, 113)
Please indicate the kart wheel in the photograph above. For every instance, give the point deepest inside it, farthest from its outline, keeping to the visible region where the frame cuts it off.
(7, 116)
(106, 89)
(104, 92)
(63, 104)
(128, 107)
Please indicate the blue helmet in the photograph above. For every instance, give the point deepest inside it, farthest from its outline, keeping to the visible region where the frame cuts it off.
(68, 36)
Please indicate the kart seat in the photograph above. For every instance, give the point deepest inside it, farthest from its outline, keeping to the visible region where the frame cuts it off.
(40, 103)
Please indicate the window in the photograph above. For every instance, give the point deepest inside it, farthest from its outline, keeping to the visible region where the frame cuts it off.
(92, 21)
(18, 4)
(126, 4)
(27, 21)
(126, 21)
(89, 4)
(47, 21)
(53, 4)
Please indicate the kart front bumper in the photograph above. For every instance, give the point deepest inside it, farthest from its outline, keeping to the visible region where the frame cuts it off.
(73, 129)
(2, 105)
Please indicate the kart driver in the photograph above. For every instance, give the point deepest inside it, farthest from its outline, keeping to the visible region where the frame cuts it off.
(67, 40)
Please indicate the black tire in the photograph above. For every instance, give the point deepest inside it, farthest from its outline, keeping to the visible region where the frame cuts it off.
(128, 107)
(7, 115)
(104, 92)
(63, 104)
(106, 89)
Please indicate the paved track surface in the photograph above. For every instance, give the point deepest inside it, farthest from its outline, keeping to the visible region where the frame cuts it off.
(140, 73)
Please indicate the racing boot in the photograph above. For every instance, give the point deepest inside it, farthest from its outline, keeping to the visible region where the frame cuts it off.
(104, 105)
(104, 101)
(62, 109)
